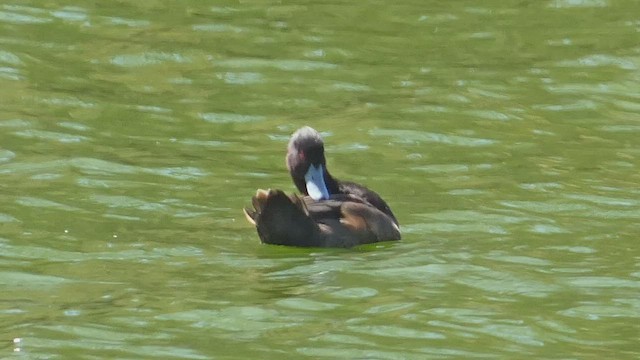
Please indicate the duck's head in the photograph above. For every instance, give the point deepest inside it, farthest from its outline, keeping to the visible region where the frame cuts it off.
(307, 164)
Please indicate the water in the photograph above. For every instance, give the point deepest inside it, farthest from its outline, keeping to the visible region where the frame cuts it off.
(502, 133)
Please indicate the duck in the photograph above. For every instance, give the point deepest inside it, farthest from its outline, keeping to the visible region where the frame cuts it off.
(328, 212)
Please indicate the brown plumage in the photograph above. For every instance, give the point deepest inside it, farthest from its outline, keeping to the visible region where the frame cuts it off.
(293, 220)
(330, 213)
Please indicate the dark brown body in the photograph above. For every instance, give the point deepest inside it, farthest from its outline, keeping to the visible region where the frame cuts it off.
(342, 221)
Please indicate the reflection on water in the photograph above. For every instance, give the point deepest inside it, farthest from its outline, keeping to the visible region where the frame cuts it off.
(502, 134)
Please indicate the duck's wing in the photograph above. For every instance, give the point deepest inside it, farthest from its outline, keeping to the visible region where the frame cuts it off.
(369, 222)
(362, 192)
(352, 219)
(283, 220)
(342, 221)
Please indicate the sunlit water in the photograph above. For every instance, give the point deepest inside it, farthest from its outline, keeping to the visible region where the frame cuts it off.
(504, 134)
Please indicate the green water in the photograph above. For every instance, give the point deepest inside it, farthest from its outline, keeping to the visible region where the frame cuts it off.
(504, 135)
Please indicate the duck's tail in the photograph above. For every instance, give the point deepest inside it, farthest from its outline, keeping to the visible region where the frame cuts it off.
(282, 219)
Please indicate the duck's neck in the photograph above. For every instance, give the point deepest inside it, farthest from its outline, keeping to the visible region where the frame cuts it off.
(331, 183)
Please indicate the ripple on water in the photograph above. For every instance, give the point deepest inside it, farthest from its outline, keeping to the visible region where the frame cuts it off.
(421, 272)
(51, 135)
(579, 105)
(395, 332)
(5, 218)
(523, 260)
(621, 128)
(514, 333)
(631, 106)
(17, 18)
(493, 115)
(596, 312)
(442, 168)
(71, 14)
(10, 58)
(451, 168)
(574, 249)
(414, 136)
(24, 281)
(74, 126)
(548, 229)
(43, 253)
(137, 23)
(462, 315)
(561, 4)
(604, 200)
(474, 216)
(20, 168)
(520, 334)
(44, 203)
(10, 73)
(122, 201)
(241, 78)
(354, 293)
(93, 166)
(381, 309)
(247, 322)
(465, 221)
(454, 228)
(218, 27)
(226, 118)
(603, 282)
(544, 207)
(306, 304)
(104, 339)
(350, 86)
(317, 272)
(542, 187)
(620, 90)
(15, 123)
(503, 283)
(68, 101)
(286, 65)
(206, 143)
(427, 109)
(148, 58)
(6, 155)
(343, 339)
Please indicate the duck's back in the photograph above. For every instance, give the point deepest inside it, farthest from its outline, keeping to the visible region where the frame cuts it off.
(371, 197)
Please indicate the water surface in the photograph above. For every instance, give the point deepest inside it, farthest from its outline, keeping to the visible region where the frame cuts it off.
(504, 134)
